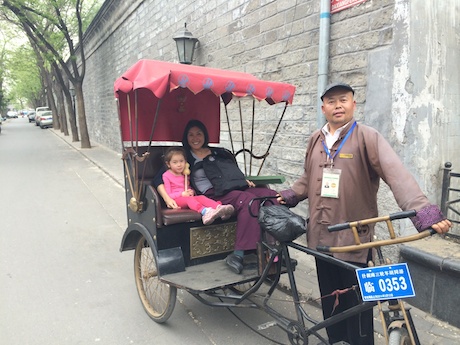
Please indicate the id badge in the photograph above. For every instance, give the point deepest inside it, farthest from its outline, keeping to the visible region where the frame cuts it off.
(330, 184)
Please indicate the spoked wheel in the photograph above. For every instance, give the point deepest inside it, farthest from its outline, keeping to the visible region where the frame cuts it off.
(399, 336)
(297, 334)
(158, 298)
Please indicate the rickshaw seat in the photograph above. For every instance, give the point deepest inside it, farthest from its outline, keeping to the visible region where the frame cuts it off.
(164, 215)
(174, 216)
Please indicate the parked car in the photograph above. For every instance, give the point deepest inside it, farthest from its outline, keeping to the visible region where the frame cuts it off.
(45, 119)
(38, 112)
(11, 114)
(31, 116)
(41, 109)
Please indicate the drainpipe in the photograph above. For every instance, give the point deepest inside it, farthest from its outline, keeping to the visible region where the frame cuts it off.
(323, 55)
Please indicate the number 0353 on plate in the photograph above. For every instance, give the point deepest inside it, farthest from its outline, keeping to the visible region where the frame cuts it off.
(385, 282)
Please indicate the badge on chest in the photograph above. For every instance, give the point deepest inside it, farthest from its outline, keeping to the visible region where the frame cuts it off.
(330, 183)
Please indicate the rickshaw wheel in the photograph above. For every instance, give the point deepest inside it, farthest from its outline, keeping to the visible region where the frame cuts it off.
(158, 298)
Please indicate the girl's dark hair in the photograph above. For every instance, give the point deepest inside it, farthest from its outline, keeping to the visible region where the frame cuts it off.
(201, 126)
(172, 151)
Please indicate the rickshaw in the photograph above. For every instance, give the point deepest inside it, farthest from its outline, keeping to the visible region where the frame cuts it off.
(172, 248)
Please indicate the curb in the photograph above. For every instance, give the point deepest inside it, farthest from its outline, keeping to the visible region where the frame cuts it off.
(436, 262)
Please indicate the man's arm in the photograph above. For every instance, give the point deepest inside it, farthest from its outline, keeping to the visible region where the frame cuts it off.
(402, 183)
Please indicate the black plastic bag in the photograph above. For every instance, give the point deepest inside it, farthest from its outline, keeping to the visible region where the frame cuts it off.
(280, 222)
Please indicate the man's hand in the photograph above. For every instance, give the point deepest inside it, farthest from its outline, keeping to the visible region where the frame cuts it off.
(442, 227)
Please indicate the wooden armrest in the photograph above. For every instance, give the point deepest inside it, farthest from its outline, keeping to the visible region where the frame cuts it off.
(260, 180)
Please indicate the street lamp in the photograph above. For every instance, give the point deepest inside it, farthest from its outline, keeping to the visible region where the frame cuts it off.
(186, 44)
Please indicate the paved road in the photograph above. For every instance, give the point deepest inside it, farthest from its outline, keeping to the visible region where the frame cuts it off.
(63, 280)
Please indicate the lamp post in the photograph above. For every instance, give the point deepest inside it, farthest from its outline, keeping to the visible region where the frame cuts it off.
(72, 94)
(186, 44)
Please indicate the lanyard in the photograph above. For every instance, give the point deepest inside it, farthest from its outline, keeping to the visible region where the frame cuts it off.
(340, 146)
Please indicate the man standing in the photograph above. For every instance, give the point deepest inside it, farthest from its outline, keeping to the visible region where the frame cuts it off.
(343, 166)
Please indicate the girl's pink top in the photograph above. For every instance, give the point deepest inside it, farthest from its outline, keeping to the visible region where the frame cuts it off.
(175, 184)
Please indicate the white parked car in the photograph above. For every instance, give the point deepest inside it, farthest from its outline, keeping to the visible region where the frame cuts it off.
(45, 119)
(37, 114)
(12, 114)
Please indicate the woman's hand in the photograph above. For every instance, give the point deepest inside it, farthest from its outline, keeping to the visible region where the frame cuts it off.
(280, 199)
(250, 183)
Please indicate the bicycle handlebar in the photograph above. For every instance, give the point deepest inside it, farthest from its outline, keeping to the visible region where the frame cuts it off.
(374, 244)
(393, 216)
(393, 239)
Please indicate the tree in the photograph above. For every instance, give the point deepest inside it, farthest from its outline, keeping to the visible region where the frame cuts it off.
(5, 41)
(51, 26)
(24, 75)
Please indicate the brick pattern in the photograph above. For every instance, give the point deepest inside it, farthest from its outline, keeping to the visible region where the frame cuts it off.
(272, 39)
(275, 40)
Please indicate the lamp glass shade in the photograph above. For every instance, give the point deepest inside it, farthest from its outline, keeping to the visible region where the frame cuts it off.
(186, 50)
(185, 43)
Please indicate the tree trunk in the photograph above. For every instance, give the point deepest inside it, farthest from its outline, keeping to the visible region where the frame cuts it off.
(85, 142)
(72, 119)
(62, 115)
(55, 107)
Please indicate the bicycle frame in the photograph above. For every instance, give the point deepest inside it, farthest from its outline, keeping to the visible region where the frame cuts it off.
(397, 316)
(389, 321)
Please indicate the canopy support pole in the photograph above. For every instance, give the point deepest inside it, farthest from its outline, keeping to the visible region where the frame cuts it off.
(242, 136)
(229, 130)
(273, 138)
(252, 134)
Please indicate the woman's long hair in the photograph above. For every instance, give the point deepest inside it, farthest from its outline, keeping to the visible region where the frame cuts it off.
(201, 126)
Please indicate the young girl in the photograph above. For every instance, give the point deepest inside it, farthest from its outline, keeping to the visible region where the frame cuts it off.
(177, 185)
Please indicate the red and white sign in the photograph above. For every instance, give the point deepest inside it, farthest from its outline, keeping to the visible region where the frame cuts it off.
(339, 5)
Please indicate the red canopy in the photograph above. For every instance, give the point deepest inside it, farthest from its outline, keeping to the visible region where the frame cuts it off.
(186, 92)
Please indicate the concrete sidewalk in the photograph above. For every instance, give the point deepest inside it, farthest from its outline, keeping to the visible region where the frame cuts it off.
(430, 330)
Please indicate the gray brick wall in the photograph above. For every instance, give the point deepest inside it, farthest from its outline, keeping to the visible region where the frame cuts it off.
(278, 40)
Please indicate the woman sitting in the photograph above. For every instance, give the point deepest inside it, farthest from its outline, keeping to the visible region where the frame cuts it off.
(195, 141)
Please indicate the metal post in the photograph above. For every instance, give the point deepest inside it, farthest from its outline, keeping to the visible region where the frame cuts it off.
(445, 187)
(323, 56)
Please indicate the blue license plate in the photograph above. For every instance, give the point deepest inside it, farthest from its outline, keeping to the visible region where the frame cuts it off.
(385, 282)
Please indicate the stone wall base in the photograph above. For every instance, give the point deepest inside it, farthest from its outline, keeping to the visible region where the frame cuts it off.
(434, 265)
